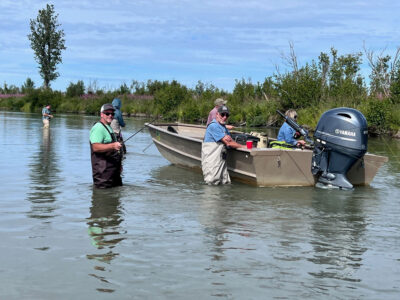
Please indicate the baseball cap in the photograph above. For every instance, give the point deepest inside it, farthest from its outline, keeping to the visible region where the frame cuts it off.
(220, 101)
(223, 109)
(107, 106)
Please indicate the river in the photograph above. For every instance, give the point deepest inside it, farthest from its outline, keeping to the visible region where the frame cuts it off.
(166, 235)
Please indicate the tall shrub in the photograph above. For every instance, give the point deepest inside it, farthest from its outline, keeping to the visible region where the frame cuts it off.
(168, 99)
(75, 89)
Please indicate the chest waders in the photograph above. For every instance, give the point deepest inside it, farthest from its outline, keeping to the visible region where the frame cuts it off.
(106, 167)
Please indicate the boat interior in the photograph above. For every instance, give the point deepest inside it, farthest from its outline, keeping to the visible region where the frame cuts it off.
(260, 140)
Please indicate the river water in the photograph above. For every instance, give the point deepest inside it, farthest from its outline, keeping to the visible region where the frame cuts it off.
(166, 235)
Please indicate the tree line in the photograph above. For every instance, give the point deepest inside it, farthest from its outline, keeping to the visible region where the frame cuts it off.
(311, 90)
(329, 81)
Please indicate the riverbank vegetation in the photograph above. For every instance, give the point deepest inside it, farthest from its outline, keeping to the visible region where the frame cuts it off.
(330, 81)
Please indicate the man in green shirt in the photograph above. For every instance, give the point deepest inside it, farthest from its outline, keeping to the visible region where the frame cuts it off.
(105, 151)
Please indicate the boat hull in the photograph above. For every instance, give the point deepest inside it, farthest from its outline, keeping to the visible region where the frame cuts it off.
(181, 145)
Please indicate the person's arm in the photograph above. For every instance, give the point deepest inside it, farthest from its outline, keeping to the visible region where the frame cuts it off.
(45, 114)
(98, 147)
(228, 141)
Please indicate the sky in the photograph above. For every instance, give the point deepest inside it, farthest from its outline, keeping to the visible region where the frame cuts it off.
(111, 42)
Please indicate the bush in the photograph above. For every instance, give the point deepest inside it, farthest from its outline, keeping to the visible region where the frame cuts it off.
(39, 98)
(168, 99)
(75, 89)
(300, 89)
(378, 114)
(190, 111)
(395, 117)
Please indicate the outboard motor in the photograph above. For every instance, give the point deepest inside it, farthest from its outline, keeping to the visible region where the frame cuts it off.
(341, 138)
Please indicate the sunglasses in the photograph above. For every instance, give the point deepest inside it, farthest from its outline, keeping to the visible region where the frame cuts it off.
(109, 113)
(224, 115)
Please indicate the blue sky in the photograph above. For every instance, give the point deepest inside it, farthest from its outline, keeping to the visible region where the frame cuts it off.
(113, 42)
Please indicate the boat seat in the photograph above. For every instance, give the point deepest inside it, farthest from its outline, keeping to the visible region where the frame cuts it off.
(171, 129)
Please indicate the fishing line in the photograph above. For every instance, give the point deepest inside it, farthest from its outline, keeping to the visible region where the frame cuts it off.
(140, 130)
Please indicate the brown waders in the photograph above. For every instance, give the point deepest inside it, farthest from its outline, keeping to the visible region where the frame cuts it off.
(106, 167)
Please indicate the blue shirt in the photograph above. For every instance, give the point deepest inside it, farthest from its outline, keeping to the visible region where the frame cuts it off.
(215, 132)
(286, 134)
(45, 110)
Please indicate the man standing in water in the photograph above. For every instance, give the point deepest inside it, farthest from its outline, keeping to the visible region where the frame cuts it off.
(46, 116)
(105, 151)
(213, 149)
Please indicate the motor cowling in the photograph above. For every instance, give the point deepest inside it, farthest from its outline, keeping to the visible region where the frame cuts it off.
(340, 138)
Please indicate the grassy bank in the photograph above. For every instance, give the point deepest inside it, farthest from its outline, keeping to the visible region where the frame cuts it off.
(175, 102)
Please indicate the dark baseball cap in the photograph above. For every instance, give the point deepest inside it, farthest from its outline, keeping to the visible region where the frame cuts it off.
(223, 109)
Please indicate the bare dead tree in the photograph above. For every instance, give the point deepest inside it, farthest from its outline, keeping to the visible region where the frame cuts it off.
(291, 58)
(383, 68)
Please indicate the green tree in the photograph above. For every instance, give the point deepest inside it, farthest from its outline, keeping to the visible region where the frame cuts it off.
(269, 88)
(169, 98)
(28, 86)
(138, 87)
(123, 89)
(345, 80)
(47, 43)
(75, 89)
(324, 65)
(153, 86)
(300, 88)
(395, 85)
(243, 91)
(12, 89)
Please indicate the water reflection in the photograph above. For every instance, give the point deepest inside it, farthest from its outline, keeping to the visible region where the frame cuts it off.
(104, 228)
(339, 226)
(213, 220)
(44, 178)
(391, 148)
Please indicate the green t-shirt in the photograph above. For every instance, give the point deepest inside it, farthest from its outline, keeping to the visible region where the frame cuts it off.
(98, 134)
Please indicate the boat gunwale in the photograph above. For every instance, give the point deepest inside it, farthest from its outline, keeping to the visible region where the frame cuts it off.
(156, 127)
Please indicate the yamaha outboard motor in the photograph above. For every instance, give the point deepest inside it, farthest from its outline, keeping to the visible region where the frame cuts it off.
(341, 138)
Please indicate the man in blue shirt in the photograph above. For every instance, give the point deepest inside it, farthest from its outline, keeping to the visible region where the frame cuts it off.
(287, 133)
(213, 150)
(46, 116)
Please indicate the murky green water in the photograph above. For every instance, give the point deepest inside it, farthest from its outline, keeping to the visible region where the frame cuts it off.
(166, 235)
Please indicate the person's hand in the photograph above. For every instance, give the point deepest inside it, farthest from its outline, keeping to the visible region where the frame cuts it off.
(116, 146)
(228, 138)
(301, 143)
(229, 127)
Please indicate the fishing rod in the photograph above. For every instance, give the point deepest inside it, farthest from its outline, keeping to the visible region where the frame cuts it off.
(140, 130)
